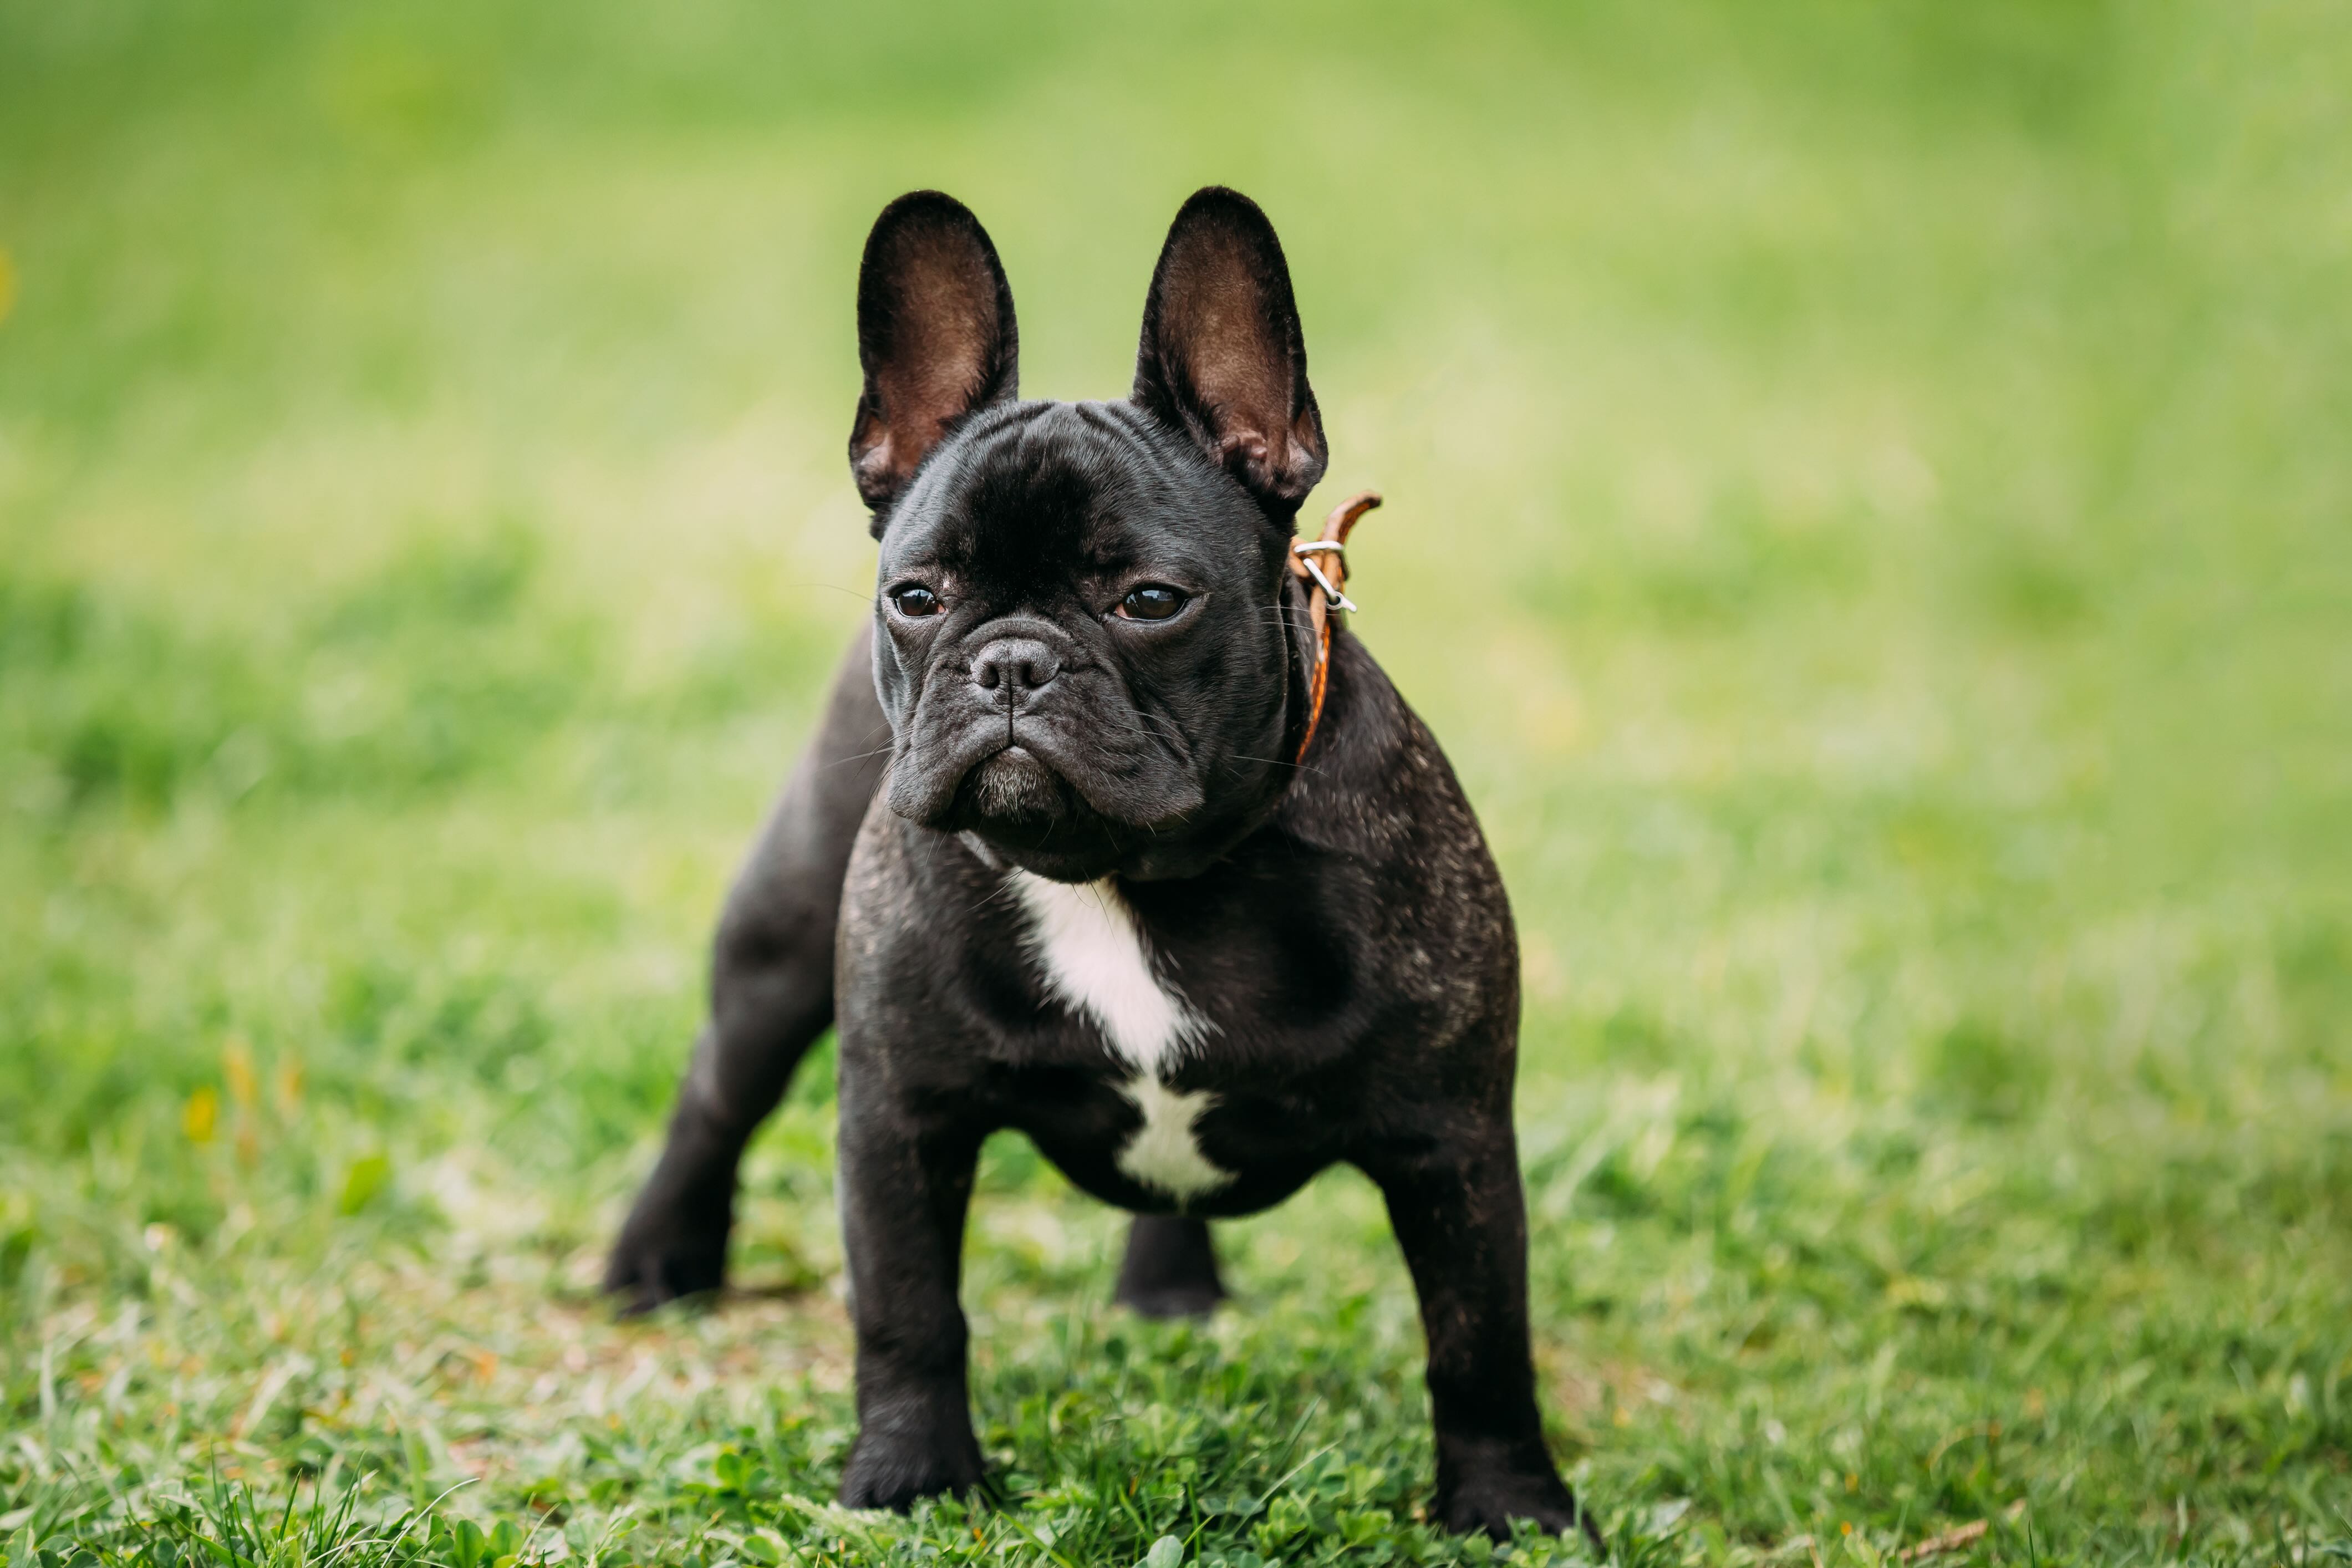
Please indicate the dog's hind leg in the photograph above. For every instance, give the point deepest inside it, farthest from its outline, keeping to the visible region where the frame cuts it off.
(770, 998)
(1170, 1270)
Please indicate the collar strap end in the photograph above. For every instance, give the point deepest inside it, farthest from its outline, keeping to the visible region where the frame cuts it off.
(1327, 581)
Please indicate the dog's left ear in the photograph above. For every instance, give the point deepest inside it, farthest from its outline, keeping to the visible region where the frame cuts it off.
(1223, 356)
(935, 337)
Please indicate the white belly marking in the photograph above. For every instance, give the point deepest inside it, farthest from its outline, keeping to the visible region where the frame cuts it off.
(1090, 955)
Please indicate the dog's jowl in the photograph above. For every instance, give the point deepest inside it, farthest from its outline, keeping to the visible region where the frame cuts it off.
(1107, 837)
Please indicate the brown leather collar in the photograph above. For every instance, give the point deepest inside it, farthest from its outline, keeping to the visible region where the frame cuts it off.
(1321, 565)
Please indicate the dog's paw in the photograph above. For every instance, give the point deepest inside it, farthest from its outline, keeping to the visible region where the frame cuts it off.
(1170, 1300)
(895, 1471)
(1170, 1270)
(1489, 1503)
(653, 1264)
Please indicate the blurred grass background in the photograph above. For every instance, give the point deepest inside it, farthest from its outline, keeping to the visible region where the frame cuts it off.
(1867, 505)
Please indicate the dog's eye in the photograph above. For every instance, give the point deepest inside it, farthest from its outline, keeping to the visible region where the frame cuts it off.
(914, 601)
(1152, 601)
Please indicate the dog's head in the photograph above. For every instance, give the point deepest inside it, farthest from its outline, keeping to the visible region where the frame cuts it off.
(1087, 639)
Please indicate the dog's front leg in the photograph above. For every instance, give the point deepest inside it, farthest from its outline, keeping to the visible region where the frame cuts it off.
(1461, 1220)
(906, 1181)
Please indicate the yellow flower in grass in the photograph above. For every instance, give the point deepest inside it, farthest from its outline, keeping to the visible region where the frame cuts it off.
(201, 1114)
(236, 1065)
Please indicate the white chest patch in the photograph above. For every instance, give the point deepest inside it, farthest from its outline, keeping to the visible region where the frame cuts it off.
(1090, 955)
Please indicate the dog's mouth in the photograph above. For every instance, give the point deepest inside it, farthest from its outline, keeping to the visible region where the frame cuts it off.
(1014, 787)
(1028, 810)
(1051, 795)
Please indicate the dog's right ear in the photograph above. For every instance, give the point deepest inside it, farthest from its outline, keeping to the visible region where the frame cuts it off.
(935, 335)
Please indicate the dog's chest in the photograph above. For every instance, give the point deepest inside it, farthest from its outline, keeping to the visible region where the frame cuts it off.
(1091, 955)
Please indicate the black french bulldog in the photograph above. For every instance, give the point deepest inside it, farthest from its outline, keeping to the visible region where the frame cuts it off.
(1056, 862)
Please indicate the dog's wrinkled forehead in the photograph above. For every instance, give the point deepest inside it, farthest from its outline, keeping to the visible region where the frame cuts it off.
(1036, 497)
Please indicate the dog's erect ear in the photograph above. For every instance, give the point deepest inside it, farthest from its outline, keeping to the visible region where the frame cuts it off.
(1221, 354)
(935, 334)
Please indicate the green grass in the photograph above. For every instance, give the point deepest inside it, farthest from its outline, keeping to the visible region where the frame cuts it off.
(1867, 504)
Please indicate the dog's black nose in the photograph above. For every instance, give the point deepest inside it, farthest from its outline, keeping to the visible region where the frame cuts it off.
(1018, 665)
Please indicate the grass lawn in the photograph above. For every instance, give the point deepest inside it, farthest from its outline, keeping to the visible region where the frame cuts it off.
(1869, 514)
